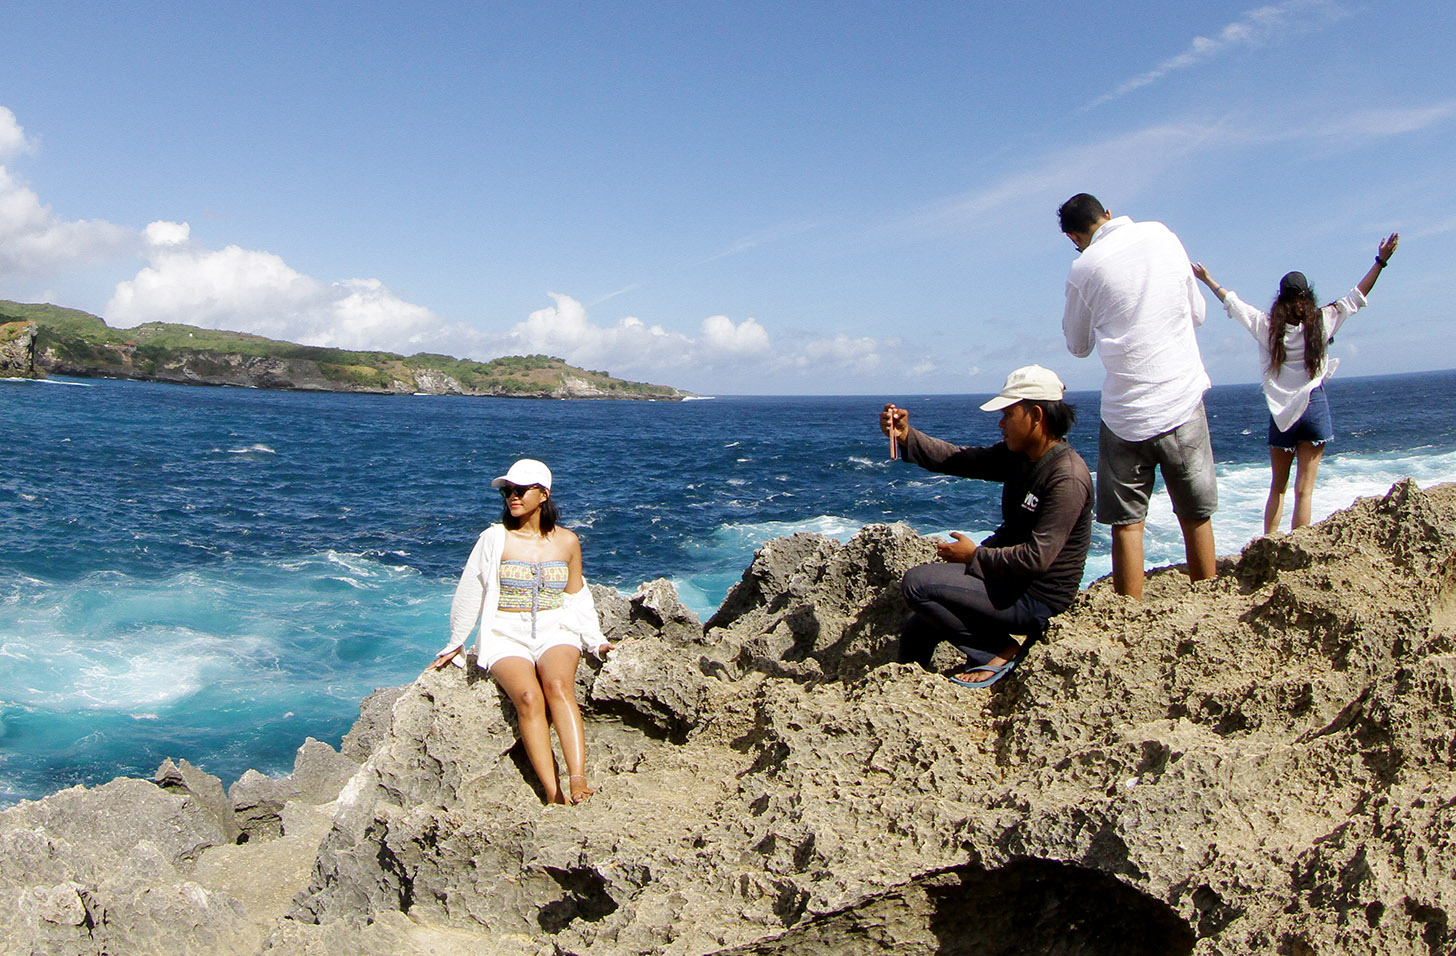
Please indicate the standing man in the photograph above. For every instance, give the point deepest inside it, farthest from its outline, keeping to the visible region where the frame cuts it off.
(1132, 295)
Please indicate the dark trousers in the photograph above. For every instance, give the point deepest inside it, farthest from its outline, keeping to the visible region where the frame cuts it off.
(952, 605)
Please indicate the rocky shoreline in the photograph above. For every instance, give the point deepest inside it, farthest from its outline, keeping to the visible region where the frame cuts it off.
(59, 341)
(1257, 763)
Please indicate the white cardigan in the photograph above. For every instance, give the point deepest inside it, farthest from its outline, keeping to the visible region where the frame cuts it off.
(477, 599)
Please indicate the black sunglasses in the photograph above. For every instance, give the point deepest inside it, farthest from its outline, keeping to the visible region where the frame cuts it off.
(516, 491)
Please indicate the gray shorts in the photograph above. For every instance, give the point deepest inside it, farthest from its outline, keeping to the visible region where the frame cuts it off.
(1126, 471)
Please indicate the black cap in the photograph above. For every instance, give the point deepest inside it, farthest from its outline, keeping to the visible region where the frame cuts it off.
(1294, 283)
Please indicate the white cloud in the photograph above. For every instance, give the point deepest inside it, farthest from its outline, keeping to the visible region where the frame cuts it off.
(12, 135)
(161, 233)
(1377, 124)
(740, 351)
(723, 338)
(34, 241)
(1256, 27)
(244, 290)
(843, 353)
(1118, 166)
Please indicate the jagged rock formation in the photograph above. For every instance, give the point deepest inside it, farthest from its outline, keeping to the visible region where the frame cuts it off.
(17, 350)
(1258, 763)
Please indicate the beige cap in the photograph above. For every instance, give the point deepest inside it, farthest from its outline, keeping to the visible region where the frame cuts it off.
(1030, 381)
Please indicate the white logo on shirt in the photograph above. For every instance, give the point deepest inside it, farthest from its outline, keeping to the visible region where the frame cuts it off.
(1030, 501)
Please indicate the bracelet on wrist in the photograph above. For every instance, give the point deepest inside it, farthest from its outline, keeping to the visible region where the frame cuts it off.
(1383, 262)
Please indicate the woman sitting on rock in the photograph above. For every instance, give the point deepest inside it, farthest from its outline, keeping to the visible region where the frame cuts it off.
(523, 585)
(1292, 337)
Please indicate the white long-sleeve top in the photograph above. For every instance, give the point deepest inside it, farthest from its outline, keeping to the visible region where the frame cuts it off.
(1132, 295)
(477, 600)
(1286, 389)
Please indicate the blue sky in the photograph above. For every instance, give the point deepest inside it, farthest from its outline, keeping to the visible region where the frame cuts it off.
(812, 197)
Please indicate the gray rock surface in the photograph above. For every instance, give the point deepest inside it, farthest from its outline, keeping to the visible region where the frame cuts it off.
(1258, 763)
(107, 870)
(319, 772)
(17, 350)
(181, 777)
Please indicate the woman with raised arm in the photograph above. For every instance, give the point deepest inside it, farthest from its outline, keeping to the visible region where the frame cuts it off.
(1292, 338)
(523, 586)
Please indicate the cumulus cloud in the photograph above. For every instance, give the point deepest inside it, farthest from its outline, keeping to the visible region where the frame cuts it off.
(739, 351)
(1254, 28)
(12, 135)
(34, 241)
(246, 290)
(722, 337)
(843, 353)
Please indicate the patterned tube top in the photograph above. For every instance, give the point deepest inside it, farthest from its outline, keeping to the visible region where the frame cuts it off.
(532, 586)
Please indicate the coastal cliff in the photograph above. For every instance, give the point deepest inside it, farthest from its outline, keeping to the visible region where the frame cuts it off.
(70, 342)
(17, 350)
(1262, 762)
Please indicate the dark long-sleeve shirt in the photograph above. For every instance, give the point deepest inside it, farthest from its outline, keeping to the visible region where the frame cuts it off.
(1040, 549)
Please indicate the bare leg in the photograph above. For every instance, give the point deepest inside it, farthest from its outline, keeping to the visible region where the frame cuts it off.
(1127, 559)
(557, 669)
(517, 676)
(1280, 460)
(1198, 546)
(1007, 652)
(1308, 466)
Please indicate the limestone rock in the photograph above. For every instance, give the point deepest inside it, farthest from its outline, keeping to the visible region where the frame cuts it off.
(373, 724)
(17, 350)
(1262, 762)
(1258, 763)
(319, 773)
(183, 778)
(106, 870)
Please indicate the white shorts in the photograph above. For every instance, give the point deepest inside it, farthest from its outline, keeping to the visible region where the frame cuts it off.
(510, 636)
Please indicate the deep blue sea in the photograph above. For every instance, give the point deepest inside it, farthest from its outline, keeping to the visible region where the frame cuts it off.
(217, 573)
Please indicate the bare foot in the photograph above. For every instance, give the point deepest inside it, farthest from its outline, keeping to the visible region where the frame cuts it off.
(579, 790)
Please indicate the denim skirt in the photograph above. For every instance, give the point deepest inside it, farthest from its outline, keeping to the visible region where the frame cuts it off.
(1314, 426)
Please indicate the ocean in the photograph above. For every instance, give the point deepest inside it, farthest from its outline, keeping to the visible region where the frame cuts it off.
(215, 574)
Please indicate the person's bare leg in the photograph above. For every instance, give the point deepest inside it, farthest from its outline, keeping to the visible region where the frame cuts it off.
(1279, 460)
(1309, 461)
(1127, 559)
(1198, 546)
(517, 676)
(557, 669)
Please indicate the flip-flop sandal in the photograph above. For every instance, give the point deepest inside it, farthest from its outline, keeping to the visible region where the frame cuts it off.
(997, 672)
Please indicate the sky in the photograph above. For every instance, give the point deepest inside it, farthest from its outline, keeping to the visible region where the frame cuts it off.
(810, 197)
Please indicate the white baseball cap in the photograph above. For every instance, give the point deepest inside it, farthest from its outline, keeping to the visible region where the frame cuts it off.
(526, 472)
(1030, 381)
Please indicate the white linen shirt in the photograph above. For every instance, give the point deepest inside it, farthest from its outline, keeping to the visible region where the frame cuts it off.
(1286, 390)
(1132, 295)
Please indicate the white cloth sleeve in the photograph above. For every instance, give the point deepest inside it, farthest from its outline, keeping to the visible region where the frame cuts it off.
(1077, 324)
(580, 618)
(1342, 309)
(470, 596)
(1255, 320)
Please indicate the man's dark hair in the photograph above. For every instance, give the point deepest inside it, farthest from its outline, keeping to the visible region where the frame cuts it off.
(1080, 212)
(1060, 416)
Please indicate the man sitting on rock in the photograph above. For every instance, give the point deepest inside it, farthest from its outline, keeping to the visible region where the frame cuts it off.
(1031, 567)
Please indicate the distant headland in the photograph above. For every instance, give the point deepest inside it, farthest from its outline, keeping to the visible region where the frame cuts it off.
(37, 340)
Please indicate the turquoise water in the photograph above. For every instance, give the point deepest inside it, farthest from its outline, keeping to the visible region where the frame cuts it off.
(217, 573)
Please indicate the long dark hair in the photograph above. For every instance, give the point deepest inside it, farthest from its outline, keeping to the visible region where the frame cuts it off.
(548, 516)
(1295, 305)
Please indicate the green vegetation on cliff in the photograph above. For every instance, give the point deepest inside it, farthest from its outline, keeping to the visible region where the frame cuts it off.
(71, 342)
